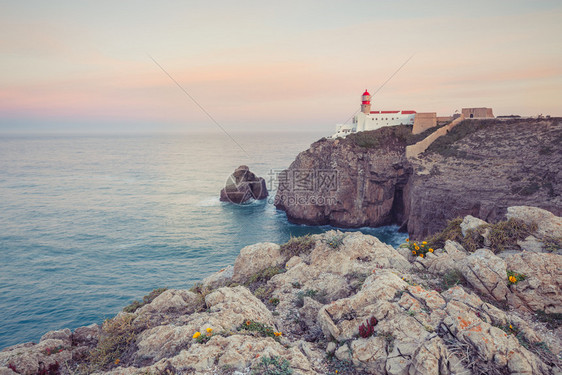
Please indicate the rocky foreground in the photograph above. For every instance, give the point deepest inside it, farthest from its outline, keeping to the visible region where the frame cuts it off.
(340, 303)
(480, 168)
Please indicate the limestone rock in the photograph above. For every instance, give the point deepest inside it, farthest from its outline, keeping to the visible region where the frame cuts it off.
(542, 287)
(242, 186)
(486, 273)
(237, 352)
(255, 258)
(64, 334)
(29, 359)
(171, 301)
(451, 257)
(228, 309)
(220, 278)
(86, 336)
(548, 224)
(470, 223)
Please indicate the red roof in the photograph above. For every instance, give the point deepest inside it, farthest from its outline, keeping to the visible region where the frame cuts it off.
(366, 93)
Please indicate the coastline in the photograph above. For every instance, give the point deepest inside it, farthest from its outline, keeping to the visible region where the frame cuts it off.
(335, 283)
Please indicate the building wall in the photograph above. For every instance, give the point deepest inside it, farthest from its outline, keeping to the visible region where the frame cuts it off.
(424, 121)
(477, 113)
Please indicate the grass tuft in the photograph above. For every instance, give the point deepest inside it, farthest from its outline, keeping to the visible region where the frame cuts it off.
(297, 246)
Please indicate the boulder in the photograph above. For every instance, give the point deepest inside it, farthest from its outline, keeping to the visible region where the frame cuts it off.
(255, 258)
(242, 186)
(227, 309)
(470, 223)
(542, 288)
(548, 224)
(219, 278)
(486, 273)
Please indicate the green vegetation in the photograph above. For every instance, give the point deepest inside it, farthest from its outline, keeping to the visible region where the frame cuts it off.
(451, 232)
(505, 234)
(116, 336)
(272, 366)
(452, 278)
(297, 246)
(552, 244)
(312, 293)
(334, 241)
(260, 329)
(201, 291)
(552, 320)
(387, 137)
(264, 275)
(344, 367)
(502, 235)
(135, 305)
(444, 144)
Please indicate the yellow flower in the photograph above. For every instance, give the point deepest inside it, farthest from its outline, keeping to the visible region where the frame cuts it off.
(407, 240)
(247, 322)
(424, 243)
(196, 335)
(117, 361)
(512, 279)
(414, 252)
(209, 330)
(430, 250)
(510, 326)
(421, 255)
(277, 334)
(417, 247)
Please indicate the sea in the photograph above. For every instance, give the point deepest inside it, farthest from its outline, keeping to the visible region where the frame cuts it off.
(89, 223)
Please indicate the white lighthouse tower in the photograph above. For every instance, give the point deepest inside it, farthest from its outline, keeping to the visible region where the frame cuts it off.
(371, 120)
(366, 102)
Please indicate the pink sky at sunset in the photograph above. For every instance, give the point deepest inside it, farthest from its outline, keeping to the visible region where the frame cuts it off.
(295, 65)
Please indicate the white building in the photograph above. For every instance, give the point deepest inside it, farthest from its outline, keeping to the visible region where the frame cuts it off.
(372, 120)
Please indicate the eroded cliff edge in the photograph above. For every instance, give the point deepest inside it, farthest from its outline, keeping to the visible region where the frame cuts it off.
(479, 168)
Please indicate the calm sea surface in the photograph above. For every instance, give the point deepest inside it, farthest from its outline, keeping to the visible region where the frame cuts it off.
(90, 223)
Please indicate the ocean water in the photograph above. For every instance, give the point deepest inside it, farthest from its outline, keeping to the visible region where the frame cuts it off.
(90, 223)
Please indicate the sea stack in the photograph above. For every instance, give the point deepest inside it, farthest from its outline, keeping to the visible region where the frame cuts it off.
(242, 186)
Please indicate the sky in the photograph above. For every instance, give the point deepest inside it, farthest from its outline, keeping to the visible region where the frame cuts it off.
(93, 66)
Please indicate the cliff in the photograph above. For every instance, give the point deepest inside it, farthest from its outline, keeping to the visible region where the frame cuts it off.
(335, 303)
(353, 182)
(484, 166)
(478, 168)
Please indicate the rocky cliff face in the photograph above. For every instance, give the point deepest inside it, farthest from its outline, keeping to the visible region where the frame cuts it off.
(352, 182)
(333, 303)
(482, 167)
(479, 168)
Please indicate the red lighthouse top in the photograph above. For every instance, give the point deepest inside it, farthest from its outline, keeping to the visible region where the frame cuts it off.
(366, 93)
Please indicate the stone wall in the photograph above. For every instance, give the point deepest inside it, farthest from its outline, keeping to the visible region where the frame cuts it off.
(424, 121)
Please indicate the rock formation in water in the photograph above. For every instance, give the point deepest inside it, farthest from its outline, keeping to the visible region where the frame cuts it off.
(480, 168)
(342, 302)
(242, 186)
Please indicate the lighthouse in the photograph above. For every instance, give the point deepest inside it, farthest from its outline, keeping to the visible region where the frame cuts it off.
(366, 102)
